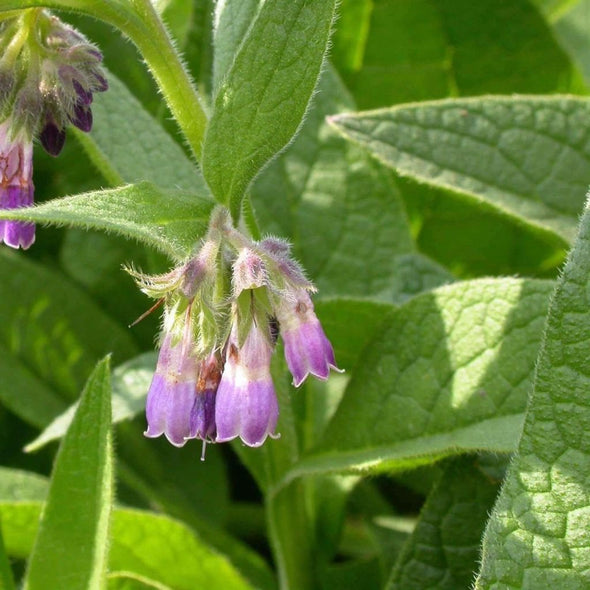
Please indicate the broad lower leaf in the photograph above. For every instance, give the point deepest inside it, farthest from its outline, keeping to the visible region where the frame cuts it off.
(571, 26)
(168, 220)
(130, 384)
(448, 372)
(524, 155)
(539, 532)
(443, 549)
(24, 394)
(129, 581)
(263, 98)
(71, 546)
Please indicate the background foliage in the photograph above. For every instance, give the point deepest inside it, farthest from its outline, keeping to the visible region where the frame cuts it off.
(430, 171)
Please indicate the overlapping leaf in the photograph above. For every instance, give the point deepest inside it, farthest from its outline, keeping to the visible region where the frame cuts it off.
(448, 372)
(526, 156)
(539, 533)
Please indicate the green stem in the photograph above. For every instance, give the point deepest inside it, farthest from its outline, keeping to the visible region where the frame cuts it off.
(291, 538)
(170, 74)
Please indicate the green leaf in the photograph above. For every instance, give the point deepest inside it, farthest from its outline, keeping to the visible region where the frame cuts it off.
(6, 578)
(168, 552)
(44, 322)
(71, 546)
(21, 496)
(427, 49)
(524, 155)
(443, 550)
(539, 533)
(24, 394)
(128, 581)
(18, 486)
(170, 221)
(130, 384)
(263, 98)
(342, 209)
(571, 27)
(232, 20)
(464, 235)
(448, 372)
(128, 145)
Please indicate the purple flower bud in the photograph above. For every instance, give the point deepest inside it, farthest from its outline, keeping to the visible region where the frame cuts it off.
(52, 138)
(84, 95)
(246, 404)
(100, 83)
(16, 187)
(307, 350)
(82, 118)
(249, 271)
(172, 394)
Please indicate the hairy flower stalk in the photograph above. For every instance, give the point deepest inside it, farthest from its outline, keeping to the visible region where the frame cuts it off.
(48, 74)
(224, 309)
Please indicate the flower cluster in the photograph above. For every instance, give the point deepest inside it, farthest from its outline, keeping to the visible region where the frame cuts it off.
(213, 377)
(48, 74)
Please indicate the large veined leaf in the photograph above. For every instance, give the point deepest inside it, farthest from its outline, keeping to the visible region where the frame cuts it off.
(258, 108)
(170, 221)
(71, 546)
(448, 372)
(539, 532)
(527, 156)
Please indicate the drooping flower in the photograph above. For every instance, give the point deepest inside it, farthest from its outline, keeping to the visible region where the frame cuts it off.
(246, 405)
(16, 187)
(48, 74)
(173, 392)
(307, 350)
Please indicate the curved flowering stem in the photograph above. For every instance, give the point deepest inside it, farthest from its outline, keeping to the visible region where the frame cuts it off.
(139, 20)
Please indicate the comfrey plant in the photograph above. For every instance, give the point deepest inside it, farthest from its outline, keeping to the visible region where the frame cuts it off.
(48, 74)
(433, 216)
(213, 379)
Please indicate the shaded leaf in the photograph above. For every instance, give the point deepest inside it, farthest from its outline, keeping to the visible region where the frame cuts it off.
(443, 550)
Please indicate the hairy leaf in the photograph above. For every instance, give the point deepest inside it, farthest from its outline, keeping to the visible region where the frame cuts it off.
(448, 372)
(526, 156)
(539, 533)
(168, 220)
(71, 546)
(258, 108)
